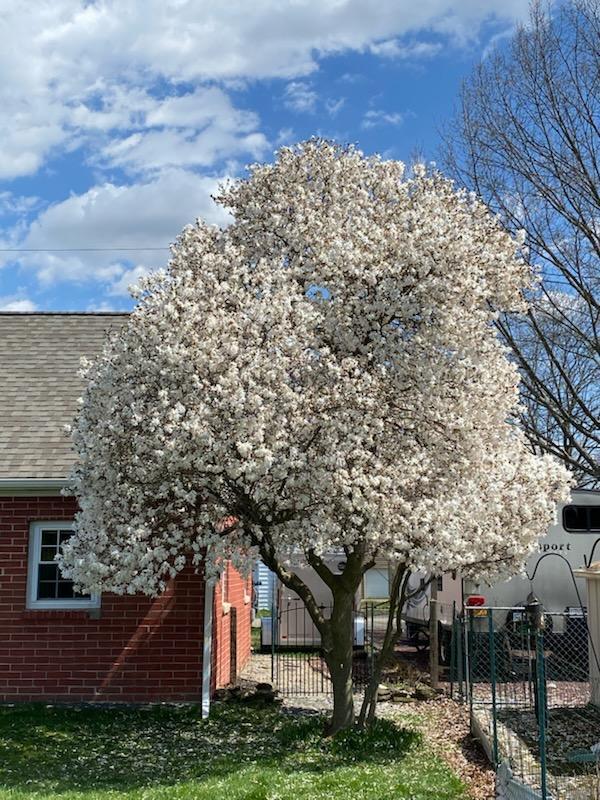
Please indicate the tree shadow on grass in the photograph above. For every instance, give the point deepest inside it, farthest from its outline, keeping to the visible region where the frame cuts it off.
(60, 750)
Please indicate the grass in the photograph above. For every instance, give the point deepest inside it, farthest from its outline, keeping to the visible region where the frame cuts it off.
(261, 613)
(240, 753)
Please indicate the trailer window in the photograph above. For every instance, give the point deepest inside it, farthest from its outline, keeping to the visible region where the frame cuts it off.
(580, 519)
(376, 585)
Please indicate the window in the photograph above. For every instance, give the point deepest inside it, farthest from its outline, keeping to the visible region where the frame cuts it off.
(581, 519)
(376, 584)
(46, 587)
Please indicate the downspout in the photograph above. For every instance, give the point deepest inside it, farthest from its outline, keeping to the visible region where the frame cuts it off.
(209, 593)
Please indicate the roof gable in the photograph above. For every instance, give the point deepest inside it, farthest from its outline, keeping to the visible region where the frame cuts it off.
(39, 387)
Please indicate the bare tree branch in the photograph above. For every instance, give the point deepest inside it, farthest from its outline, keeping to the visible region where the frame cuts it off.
(526, 137)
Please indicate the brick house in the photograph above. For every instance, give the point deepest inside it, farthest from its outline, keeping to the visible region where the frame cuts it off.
(56, 645)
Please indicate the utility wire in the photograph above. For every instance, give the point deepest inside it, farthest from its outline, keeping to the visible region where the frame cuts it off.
(80, 249)
(544, 280)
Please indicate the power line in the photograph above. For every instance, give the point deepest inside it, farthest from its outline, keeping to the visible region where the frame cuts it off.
(544, 280)
(81, 249)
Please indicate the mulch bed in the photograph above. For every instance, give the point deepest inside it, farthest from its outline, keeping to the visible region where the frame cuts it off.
(570, 732)
(445, 726)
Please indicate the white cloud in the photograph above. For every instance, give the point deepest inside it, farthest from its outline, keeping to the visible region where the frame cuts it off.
(352, 78)
(299, 97)
(130, 277)
(200, 108)
(17, 205)
(142, 215)
(99, 305)
(333, 107)
(285, 136)
(194, 129)
(377, 117)
(16, 303)
(26, 144)
(104, 107)
(155, 150)
(395, 48)
(74, 72)
(497, 39)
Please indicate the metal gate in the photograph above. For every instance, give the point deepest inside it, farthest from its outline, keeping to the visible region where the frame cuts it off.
(298, 667)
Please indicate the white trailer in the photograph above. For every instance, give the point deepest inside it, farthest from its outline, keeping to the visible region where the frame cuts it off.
(549, 575)
(294, 627)
(263, 581)
(550, 568)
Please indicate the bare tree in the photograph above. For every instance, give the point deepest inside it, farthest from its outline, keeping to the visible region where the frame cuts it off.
(526, 138)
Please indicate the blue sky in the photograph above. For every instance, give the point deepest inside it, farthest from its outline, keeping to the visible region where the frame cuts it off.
(118, 120)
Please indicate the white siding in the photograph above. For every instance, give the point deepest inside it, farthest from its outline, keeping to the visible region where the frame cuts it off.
(263, 586)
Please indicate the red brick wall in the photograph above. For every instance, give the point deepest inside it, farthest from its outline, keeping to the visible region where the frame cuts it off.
(139, 650)
(237, 599)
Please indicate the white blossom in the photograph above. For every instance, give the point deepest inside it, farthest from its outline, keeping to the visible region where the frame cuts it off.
(325, 369)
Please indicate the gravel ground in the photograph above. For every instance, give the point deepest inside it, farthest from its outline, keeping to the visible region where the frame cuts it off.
(443, 723)
(258, 669)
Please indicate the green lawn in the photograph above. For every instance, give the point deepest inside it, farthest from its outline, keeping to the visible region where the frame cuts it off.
(241, 752)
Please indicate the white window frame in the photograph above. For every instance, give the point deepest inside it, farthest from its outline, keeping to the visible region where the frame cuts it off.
(35, 552)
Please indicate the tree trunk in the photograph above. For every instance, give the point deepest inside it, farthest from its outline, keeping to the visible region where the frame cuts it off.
(338, 649)
(434, 645)
(392, 634)
(337, 633)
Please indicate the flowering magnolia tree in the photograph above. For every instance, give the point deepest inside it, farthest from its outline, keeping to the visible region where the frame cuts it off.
(324, 373)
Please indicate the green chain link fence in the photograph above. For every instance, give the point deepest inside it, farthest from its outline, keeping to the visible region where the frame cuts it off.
(525, 674)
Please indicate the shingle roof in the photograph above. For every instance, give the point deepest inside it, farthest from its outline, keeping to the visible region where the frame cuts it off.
(39, 387)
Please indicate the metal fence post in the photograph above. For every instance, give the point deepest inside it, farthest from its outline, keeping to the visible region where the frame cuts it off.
(434, 647)
(461, 632)
(493, 682)
(371, 608)
(453, 669)
(468, 658)
(540, 672)
(274, 612)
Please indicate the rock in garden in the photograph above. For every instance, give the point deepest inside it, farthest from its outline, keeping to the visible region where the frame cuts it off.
(264, 688)
(384, 693)
(425, 692)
